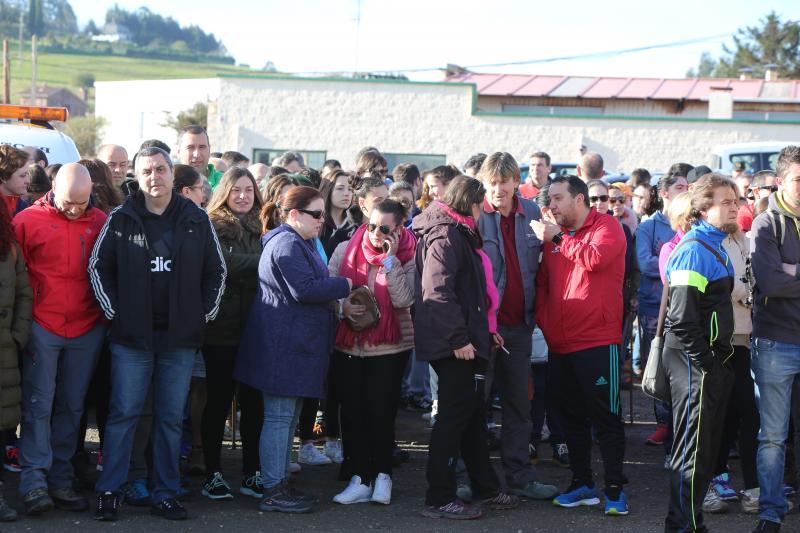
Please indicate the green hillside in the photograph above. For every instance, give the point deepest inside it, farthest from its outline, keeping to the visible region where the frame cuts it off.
(62, 69)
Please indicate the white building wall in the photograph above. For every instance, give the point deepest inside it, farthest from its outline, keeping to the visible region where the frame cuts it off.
(135, 110)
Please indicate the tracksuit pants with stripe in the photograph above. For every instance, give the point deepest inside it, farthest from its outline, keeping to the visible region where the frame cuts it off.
(699, 403)
(586, 385)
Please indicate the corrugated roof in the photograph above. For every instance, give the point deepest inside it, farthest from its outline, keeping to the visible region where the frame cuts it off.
(636, 88)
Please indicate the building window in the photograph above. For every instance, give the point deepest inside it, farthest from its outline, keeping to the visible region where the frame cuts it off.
(423, 161)
(769, 116)
(312, 158)
(551, 110)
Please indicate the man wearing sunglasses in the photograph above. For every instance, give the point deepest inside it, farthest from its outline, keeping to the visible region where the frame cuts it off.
(762, 186)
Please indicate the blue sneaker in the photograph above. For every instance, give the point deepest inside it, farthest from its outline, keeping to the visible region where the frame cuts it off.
(722, 486)
(136, 493)
(577, 495)
(618, 507)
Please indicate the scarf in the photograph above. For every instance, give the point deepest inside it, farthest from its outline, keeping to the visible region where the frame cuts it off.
(492, 295)
(358, 257)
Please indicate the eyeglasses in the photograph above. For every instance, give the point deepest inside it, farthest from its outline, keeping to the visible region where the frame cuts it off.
(601, 198)
(770, 188)
(386, 230)
(313, 213)
(615, 199)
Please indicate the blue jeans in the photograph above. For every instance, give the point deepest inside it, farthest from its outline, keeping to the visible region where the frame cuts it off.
(277, 434)
(416, 380)
(131, 373)
(56, 372)
(774, 365)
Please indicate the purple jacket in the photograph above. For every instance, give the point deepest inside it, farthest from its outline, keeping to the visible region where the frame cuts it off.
(666, 250)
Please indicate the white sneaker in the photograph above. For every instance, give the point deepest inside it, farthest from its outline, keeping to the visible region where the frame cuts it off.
(383, 489)
(356, 492)
(310, 455)
(294, 468)
(333, 449)
(712, 503)
(749, 499)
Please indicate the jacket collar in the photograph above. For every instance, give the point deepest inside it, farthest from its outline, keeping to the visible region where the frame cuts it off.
(517, 209)
(710, 232)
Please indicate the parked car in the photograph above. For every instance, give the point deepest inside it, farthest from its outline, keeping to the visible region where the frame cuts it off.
(755, 156)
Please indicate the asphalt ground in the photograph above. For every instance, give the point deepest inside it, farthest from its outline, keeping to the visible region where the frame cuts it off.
(647, 493)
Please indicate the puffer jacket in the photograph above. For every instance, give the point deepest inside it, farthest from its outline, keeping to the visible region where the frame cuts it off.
(16, 300)
(401, 291)
(240, 241)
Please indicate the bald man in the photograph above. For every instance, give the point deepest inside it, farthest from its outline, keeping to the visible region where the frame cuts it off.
(259, 172)
(116, 157)
(591, 167)
(56, 235)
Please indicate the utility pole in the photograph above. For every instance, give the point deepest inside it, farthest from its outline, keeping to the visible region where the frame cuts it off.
(6, 74)
(34, 40)
(21, 21)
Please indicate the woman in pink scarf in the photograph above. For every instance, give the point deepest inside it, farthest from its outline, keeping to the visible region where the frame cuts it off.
(367, 366)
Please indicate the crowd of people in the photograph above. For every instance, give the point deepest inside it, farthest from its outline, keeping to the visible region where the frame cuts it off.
(172, 297)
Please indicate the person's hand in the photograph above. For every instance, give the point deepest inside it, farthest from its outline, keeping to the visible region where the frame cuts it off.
(393, 240)
(544, 229)
(350, 310)
(547, 215)
(498, 340)
(467, 352)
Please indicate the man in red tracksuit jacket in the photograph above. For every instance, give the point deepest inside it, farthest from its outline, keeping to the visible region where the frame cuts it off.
(579, 310)
(56, 235)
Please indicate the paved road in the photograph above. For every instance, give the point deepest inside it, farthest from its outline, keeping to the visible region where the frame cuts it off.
(647, 493)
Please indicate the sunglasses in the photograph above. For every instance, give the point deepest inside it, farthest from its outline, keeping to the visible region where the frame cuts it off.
(386, 230)
(615, 199)
(601, 198)
(313, 213)
(770, 188)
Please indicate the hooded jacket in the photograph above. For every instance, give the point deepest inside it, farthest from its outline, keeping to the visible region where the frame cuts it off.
(651, 235)
(579, 287)
(120, 268)
(57, 251)
(776, 301)
(15, 326)
(699, 318)
(450, 289)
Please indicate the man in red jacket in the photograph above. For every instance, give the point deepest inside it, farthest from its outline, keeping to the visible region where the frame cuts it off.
(579, 310)
(56, 235)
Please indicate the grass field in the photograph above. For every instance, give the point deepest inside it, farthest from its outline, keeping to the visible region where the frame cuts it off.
(62, 69)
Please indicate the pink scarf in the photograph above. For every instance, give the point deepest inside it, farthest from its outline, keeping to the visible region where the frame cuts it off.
(358, 257)
(492, 296)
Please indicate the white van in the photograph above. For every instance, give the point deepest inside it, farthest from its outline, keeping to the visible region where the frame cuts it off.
(755, 156)
(22, 126)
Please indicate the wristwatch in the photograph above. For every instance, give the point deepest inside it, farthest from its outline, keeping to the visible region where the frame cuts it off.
(557, 238)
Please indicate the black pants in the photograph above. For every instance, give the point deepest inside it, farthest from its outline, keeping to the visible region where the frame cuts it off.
(586, 389)
(220, 386)
(370, 395)
(460, 430)
(741, 418)
(699, 403)
(330, 408)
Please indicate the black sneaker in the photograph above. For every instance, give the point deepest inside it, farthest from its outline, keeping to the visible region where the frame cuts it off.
(37, 501)
(767, 526)
(251, 486)
(284, 500)
(169, 508)
(501, 501)
(455, 510)
(108, 503)
(216, 488)
(561, 455)
(67, 499)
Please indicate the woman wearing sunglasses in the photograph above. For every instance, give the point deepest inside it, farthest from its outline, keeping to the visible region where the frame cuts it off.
(367, 366)
(286, 342)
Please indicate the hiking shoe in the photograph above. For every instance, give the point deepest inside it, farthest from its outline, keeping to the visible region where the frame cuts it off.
(253, 486)
(310, 455)
(67, 499)
(333, 450)
(501, 501)
(196, 464)
(535, 491)
(282, 500)
(749, 499)
(382, 493)
(169, 508)
(455, 510)
(216, 488)
(766, 526)
(108, 503)
(618, 507)
(712, 503)
(355, 492)
(7, 513)
(577, 495)
(561, 455)
(37, 501)
(11, 459)
(533, 454)
(723, 488)
(658, 437)
(136, 493)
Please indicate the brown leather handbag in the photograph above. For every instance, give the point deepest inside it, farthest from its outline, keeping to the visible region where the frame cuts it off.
(361, 295)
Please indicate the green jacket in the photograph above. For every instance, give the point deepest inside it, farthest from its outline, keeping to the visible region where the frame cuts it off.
(16, 300)
(214, 176)
(241, 248)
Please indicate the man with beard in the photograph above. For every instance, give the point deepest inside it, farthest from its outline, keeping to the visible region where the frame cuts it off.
(697, 346)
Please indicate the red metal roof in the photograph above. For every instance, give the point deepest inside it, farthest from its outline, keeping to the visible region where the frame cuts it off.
(636, 88)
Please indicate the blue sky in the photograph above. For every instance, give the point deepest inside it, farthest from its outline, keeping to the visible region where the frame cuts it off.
(317, 35)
